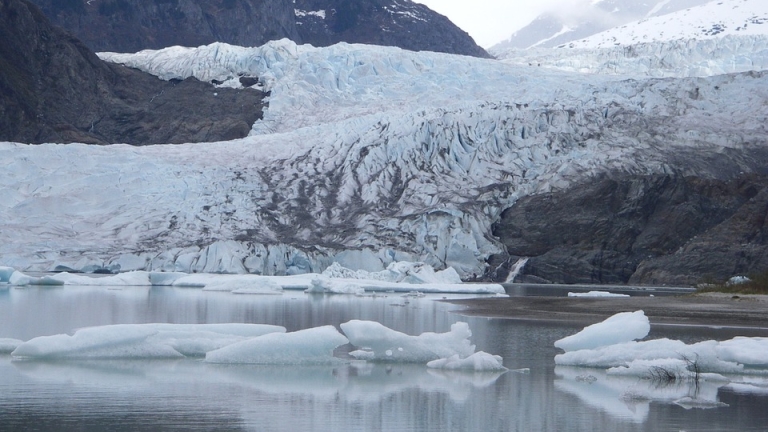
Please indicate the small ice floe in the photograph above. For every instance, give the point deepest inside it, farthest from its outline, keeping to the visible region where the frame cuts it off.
(7, 345)
(478, 362)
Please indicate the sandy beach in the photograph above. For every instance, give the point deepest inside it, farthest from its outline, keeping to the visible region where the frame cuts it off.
(711, 309)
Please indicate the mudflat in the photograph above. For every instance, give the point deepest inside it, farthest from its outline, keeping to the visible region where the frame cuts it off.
(711, 309)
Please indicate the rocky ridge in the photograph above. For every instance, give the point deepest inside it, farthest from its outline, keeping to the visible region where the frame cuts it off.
(134, 25)
(54, 89)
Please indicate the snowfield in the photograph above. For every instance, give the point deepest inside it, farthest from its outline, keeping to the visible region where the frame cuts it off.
(366, 156)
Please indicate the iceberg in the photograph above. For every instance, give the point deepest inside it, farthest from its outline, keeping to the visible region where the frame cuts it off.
(304, 347)
(7, 345)
(380, 343)
(622, 327)
(140, 341)
(5, 273)
(478, 362)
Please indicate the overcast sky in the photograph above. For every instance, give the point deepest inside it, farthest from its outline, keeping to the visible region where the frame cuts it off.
(492, 21)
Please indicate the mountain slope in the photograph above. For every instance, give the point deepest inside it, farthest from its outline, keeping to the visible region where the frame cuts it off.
(716, 19)
(400, 23)
(133, 25)
(55, 90)
(564, 26)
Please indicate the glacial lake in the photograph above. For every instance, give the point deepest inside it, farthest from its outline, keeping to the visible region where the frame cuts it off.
(534, 395)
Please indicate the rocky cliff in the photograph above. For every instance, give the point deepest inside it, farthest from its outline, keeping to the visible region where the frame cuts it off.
(133, 25)
(54, 89)
(648, 229)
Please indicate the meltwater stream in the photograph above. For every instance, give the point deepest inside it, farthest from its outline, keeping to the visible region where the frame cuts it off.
(192, 395)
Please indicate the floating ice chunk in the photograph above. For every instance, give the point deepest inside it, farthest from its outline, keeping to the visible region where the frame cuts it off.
(622, 327)
(744, 350)
(5, 273)
(165, 278)
(623, 354)
(398, 272)
(242, 285)
(140, 341)
(688, 402)
(675, 368)
(386, 344)
(322, 284)
(20, 279)
(311, 346)
(479, 362)
(8, 345)
(135, 278)
(596, 294)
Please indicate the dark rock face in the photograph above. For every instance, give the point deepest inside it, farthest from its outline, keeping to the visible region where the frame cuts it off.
(400, 23)
(133, 25)
(663, 229)
(54, 89)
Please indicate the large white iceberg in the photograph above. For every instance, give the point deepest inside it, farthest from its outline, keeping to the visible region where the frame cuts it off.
(311, 346)
(380, 343)
(141, 341)
(622, 327)
(611, 345)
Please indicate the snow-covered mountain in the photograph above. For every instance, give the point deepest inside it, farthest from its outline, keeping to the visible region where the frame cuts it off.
(367, 155)
(586, 18)
(722, 36)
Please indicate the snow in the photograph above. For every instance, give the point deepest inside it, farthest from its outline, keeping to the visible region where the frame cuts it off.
(620, 328)
(140, 341)
(311, 346)
(715, 19)
(380, 343)
(478, 362)
(597, 294)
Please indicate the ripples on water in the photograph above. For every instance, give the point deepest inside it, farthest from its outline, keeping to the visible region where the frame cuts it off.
(192, 395)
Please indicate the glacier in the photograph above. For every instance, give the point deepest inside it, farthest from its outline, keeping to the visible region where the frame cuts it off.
(366, 155)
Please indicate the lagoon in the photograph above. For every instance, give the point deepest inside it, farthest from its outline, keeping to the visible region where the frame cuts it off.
(189, 394)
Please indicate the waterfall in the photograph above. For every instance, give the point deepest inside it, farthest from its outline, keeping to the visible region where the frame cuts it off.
(516, 269)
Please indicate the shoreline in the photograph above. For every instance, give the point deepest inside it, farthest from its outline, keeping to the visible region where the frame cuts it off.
(701, 310)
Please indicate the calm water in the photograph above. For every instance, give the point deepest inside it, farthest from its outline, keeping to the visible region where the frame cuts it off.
(192, 395)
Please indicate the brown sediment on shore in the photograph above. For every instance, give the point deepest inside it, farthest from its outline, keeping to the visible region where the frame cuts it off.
(700, 309)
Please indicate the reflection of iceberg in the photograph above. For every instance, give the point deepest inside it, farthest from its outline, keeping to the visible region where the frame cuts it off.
(141, 341)
(629, 397)
(353, 383)
(478, 362)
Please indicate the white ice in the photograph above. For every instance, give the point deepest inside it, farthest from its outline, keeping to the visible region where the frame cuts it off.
(140, 341)
(304, 347)
(610, 345)
(478, 362)
(380, 343)
(596, 294)
(622, 327)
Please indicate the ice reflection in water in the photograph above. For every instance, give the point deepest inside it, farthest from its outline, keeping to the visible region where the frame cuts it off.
(192, 395)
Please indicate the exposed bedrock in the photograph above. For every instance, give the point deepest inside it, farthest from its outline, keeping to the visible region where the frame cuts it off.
(640, 229)
(54, 89)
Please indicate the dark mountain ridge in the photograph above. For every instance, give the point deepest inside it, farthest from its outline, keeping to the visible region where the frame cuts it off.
(54, 89)
(134, 25)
